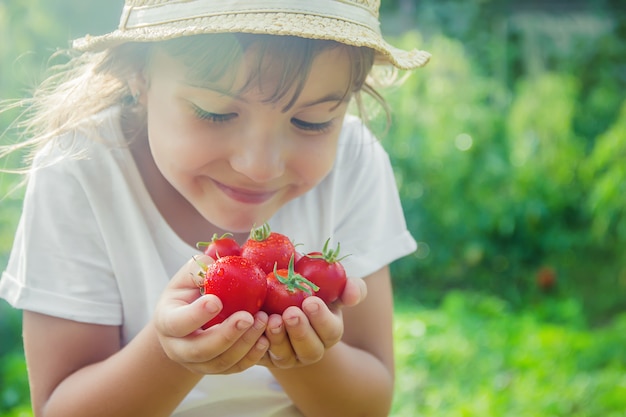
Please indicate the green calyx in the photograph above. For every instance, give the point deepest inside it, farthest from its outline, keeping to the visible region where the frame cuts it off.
(260, 233)
(201, 245)
(201, 274)
(329, 255)
(293, 281)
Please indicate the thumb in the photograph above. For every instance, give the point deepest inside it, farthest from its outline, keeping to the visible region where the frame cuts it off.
(182, 309)
(190, 275)
(186, 319)
(354, 292)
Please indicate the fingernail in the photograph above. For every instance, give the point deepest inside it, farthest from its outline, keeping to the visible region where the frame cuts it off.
(243, 324)
(262, 345)
(292, 321)
(312, 307)
(259, 324)
(211, 306)
(276, 330)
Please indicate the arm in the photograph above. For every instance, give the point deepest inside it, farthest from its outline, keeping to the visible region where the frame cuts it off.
(78, 369)
(355, 377)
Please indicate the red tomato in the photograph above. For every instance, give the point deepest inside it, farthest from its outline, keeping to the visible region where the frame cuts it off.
(220, 246)
(326, 271)
(546, 278)
(268, 249)
(239, 283)
(286, 288)
(297, 256)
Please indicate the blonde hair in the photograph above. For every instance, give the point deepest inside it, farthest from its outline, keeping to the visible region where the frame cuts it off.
(88, 83)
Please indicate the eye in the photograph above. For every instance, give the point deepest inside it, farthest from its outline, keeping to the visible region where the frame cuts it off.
(212, 117)
(312, 127)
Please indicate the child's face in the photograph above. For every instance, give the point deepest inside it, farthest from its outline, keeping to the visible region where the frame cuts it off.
(238, 159)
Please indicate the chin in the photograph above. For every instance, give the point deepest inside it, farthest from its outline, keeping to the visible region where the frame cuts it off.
(240, 222)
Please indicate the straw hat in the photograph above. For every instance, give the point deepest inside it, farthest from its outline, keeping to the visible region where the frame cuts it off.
(352, 22)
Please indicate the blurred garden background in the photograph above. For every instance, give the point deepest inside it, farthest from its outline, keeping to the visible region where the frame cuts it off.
(510, 154)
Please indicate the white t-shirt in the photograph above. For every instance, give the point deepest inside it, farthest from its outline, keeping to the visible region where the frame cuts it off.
(91, 246)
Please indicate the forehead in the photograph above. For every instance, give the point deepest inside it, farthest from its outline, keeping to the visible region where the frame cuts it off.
(272, 72)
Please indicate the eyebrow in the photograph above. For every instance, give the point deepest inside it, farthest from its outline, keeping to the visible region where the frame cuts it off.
(214, 89)
(337, 97)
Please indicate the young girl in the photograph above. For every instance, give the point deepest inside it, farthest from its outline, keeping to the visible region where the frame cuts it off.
(198, 117)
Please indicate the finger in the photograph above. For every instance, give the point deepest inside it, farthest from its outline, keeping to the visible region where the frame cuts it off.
(231, 346)
(184, 319)
(204, 346)
(184, 287)
(280, 353)
(354, 292)
(328, 326)
(266, 361)
(249, 349)
(305, 342)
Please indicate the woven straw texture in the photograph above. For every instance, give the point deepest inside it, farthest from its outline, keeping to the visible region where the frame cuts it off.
(273, 23)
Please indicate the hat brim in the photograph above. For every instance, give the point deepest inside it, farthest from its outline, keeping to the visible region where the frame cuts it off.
(301, 25)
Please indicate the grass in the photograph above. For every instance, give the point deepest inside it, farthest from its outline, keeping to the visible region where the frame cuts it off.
(474, 356)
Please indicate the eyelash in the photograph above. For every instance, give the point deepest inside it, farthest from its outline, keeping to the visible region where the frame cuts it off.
(221, 118)
(212, 117)
(312, 127)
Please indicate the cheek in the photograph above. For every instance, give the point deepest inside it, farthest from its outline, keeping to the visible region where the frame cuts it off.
(175, 141)
(313, 163)
(162, 128)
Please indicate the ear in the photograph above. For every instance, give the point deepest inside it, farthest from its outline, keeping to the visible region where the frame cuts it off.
(138, 87)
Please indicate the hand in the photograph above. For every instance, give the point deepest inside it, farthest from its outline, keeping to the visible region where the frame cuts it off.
(231, 346)
(300, 337)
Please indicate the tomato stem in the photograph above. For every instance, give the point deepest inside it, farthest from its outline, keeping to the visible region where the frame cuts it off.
(260, 233)
(329, 255)
(293, 281)
(214, 238)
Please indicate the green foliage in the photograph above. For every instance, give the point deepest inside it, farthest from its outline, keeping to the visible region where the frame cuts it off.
(14, 391)
(36, 28)
(502, 173)
(473, 356)
(604, 173)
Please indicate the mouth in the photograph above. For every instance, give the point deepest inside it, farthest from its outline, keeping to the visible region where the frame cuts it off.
(245, 196)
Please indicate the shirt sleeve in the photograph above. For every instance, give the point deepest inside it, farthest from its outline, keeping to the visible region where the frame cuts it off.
(59, 264)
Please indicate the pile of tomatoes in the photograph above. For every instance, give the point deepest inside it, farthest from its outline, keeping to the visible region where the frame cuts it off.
(267, 273)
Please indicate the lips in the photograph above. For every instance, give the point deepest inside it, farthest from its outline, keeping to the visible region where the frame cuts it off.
(245, 196)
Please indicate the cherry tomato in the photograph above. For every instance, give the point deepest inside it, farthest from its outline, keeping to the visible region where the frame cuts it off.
(268, 249)
(286, 288)
(239, 283)
(220, 246)
(326, 271)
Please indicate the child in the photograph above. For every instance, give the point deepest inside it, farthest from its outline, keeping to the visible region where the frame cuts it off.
(199, 117)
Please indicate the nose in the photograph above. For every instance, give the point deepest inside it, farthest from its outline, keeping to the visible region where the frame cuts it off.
(259, 155)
